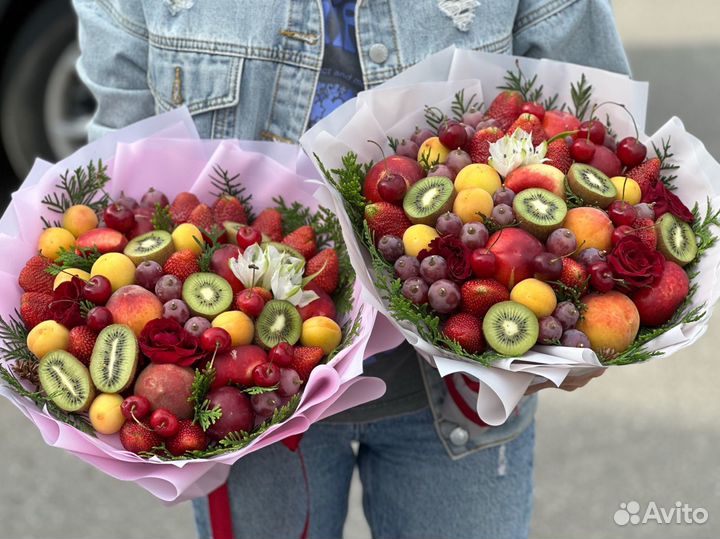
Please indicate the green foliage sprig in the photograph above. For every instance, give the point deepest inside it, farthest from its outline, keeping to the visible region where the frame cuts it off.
(162, 219)
(208, 248)
(434, 117)
(667, 167)
(460, 105)
(571, 199)
(78, 187)
(519, 82)
(581, 93)
(203, 414)
(84, 260)
(393, 143)
(231, 185)
(349, 181)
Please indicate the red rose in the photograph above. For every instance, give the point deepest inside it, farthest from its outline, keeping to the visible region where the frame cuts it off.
(164, 340)
(666, 201)
(456, 255)
(65, 306)
(635, 263)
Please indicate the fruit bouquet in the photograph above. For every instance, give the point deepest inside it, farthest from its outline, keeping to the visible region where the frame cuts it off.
(531, 235)
(177, 306)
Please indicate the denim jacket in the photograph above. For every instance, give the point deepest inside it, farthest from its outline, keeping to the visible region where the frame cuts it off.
(248, 69)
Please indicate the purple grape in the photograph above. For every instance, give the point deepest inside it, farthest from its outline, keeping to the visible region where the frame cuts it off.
(176, 309)
(550, 330)
(421, 135)
(502, 214)
(408, 148)
(469, 131)
(610, 142)
(561, 242)
(197, 325)
(289, 383)
(590, 256)
(449, 224)
(567, 314)
(433, 268)
(472, 117)
(504, 196)
(441, 170)
(407, 267)
(484, 124)
(416, 290)
(575, 339)
(128, 202)
(474, 235)
(168, 287)
(391, 247)
(458, 160)
(547, 266)
(569, 140)
(645, 210)
(444, 296)
(265, 404)
(153, 197)
(148, 273)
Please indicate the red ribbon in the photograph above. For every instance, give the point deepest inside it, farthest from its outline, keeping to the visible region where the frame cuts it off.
(468, 412)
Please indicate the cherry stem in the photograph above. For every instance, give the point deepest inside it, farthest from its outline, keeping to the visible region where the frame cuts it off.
(569, 254)
(562, 135)
(597, 106)
(496, 240)
(382, 152)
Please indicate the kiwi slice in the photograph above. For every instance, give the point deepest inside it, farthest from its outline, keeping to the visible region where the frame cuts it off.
(284, 249)
(428, 199)
(676, 239)
(114, 359)
(278, 322)
(591, 185)
(156, 245)
(207, 294)
(66, 381)
(510, 328)
(539, 211)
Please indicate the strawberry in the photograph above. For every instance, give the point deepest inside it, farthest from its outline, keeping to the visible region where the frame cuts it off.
(530, 124)
(269, 222)
(190, 437)
(384, 218)
(505, 108)
(558, 155)
(478, 295)
(303, 241)
(201, 217)
(34, 278)
(479, 148)
(136, 437)
(81, 343)
(574, 274)
(182, 206)
(35, 308)
(229, 208)
(466, 329)
(327, 261)
(182, 264)
(305, 359)
(645, 230)
(646, 174)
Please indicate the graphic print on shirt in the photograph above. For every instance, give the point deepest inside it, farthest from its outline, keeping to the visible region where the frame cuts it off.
(340, 76)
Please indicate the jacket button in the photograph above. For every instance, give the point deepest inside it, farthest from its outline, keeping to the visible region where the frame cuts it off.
(378, 53)
(459, 436)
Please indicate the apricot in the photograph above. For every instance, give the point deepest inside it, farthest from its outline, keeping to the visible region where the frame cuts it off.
(53, 239)
(46, 337)
(473, 204)
(536, 295)
(79, 219)
(134, 306)
(418, 237)
(117, 267)
(433, 151)
(67, 274)
(627, 189)
(105, 414)
(478, 175)
(321, 331)
(611, 321)
(591, 226)
(238, 325)
(188, 236)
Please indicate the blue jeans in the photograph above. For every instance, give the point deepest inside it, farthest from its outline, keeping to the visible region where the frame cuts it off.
(411, 487)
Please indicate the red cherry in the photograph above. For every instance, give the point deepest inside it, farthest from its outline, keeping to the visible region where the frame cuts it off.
(98, 318)
(631, 151)
(483, 262)
(622, 213)
(119, 217)
(266, 374)
(164, 423)
(392, 188)
(620, 232)
(601, 277)
(533, 108)
(250, 302)
(281, 355)
(247, 236)
(97, 290)
(596, 130)
(452, 135)
(582, 150)
(135, 405)
(215, 338)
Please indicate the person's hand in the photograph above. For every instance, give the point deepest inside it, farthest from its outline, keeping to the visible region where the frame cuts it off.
(571, 383)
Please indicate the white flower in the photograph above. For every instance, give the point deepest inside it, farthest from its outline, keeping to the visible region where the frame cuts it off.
(287, 284)
(251, 266)
(516, 150)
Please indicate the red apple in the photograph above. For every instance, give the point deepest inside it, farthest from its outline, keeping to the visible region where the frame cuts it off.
(237, 413)
(514, 250)
(236, 365)
(658, 303)
(409, 169)
(219, 264)
(558, 121)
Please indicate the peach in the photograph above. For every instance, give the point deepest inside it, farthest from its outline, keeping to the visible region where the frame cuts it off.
(473, 204)
(68, 274)
(134, 306)
(168, 386)
(433, 152)
(418, 237)
(321, 331)
(53, 240)
(478, 175)
(46, 337)
(117, 267)
(106, 240)
(79, 219)
(237, 324)
(591, 226)
(538, 175)
(188, 236)
(105, 414)
(611, 321)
